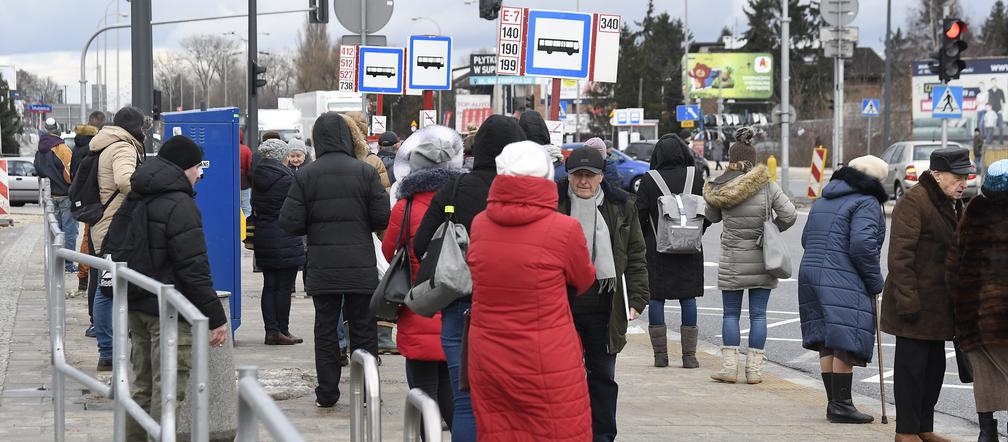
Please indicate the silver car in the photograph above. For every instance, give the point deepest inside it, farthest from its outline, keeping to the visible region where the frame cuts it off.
(22, 180)
(909, 159)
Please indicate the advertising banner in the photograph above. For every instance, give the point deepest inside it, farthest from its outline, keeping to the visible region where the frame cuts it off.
(729, 75)
(983, 81)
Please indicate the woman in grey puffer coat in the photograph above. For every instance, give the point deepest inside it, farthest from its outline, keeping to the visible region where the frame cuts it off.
(740, 198)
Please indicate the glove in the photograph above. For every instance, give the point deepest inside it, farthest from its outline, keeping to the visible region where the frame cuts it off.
(554, 153)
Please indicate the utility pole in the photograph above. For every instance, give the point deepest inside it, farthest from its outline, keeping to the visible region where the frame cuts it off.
(143, 59)
(785, 98)
(252, 119)
(363, 42)
(887, 87)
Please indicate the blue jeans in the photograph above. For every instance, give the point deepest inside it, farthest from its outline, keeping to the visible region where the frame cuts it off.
(103, 322)
(341, 333)
(69, 227)
(452, 320)
(246, 202)
(732, 299)
(656, 312)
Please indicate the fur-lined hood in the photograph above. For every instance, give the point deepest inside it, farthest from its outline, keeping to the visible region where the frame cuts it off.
(361, 149)
(849, 180)
(425, 180)
(729, 191)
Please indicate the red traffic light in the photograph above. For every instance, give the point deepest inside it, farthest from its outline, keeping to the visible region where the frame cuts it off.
(955, 29)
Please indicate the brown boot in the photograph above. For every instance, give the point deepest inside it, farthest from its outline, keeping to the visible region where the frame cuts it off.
(659, 342)
(688, 339)
(296, 339)
(930, 436)
(902, 437)
(279, 339)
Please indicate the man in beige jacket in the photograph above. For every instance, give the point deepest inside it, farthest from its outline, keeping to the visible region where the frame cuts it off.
(121, 151)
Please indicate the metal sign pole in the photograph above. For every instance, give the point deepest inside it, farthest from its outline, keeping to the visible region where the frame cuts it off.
(869, 135)
(839, 156)
(836, 112)
(363, 42)
(944, 127)
(785, 98)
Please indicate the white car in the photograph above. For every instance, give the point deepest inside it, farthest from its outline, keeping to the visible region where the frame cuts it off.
(909, 159)
(22, 181)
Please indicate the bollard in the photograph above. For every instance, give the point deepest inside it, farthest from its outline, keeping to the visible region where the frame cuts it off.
(223, 390)
(421, 415)
(364, 382)
(771, 164)
(816, 172)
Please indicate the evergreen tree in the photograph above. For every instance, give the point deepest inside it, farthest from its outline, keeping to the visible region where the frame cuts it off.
(10, 122)
(993, 37)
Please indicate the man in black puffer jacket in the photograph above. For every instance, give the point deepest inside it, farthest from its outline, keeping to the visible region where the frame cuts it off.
(470, 199)
(178, 256)
(337, 201)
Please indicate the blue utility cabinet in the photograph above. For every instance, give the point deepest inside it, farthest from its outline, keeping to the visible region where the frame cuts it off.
(217, 193)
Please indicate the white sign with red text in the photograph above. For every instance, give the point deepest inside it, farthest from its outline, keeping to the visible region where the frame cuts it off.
(348, 69)
(510, 41)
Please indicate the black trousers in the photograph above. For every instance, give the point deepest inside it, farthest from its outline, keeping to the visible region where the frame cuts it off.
(593, 328)
(432, 377)
(918, 372)
(363, 334)
(278, 284)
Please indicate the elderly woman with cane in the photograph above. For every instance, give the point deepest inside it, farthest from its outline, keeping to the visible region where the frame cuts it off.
(839, 277)
(977, 275)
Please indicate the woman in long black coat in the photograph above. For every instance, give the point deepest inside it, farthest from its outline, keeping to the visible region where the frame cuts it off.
(277, 253)
(678, 276)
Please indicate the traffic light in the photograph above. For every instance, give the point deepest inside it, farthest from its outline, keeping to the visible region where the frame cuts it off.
(156, 107)
(947, 63)
(259, 81)
(489, 9)
(530, 102)
(319, 11)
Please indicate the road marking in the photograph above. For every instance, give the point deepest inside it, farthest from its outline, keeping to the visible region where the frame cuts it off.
(721, 310)
(776, 324)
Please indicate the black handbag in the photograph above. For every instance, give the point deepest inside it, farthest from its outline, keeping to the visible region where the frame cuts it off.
(963, 363)
(397, 280)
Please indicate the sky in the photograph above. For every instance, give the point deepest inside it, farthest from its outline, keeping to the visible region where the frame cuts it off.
(54, 49)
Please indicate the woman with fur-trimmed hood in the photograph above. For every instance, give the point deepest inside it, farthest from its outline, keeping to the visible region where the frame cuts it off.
(740, 198)
(359, 130)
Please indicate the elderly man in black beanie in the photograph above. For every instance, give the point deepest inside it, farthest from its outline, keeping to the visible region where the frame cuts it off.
(163, 188)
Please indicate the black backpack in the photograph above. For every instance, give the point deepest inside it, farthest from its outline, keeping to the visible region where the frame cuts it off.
(128, 241)
(85, 196)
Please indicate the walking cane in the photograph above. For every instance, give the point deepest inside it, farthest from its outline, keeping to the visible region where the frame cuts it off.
(878, 336)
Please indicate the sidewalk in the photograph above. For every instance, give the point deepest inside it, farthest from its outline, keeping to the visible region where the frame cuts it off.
(656, 404)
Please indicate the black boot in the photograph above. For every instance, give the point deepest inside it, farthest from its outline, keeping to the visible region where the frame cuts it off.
(841, 409)
(827, 381)
(988, 427)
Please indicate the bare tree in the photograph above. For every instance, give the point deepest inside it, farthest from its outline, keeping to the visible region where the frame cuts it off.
(205, 54)
(169, 68)
(316, 64)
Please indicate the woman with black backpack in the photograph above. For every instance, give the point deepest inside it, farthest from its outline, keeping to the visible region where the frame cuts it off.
(277, 253)
(671, 276)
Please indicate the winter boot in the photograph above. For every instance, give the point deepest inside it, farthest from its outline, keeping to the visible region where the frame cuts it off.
(688, 339)
(841, 408)
(827, 381)
(988, 427)
(754, 365)
(729, 365)
(659, 342)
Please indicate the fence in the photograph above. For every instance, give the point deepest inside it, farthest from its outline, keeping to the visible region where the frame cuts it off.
(422, 415)
(171, 303)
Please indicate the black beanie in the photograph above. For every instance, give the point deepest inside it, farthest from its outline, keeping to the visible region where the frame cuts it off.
(181, 151)
(131, 119)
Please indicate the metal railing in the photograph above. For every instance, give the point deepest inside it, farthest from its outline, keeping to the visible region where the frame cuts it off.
(364, 383)
(255, 404)
(171, 303)
(422, 416)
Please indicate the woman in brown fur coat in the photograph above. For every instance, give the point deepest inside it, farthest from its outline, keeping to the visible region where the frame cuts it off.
(977, 274)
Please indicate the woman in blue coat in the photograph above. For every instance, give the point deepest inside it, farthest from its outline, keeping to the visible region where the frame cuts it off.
(839, 277)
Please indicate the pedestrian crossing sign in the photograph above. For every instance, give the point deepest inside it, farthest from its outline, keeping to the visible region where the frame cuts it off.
(946, 102)
(870, 107)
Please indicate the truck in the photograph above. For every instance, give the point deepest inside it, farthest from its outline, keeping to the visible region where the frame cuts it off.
(315, 103)
(284, 121)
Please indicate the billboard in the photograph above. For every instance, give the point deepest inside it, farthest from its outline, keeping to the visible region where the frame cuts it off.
(729, 75)
(984, 82)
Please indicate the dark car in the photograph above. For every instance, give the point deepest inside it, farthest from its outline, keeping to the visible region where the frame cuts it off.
(630, 170)
(642, 150)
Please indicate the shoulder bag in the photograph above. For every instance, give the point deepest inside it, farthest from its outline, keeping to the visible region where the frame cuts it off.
(395, 284)
(776, 258)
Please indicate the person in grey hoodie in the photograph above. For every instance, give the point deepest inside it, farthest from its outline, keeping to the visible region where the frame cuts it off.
(740, 198)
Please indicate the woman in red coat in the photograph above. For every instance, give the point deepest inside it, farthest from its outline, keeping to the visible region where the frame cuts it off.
(430, 158)
(525, 364)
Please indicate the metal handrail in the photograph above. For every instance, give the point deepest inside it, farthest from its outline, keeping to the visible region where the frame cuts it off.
(364, 381)
(421, 409)
(255, 404)
(171, 303)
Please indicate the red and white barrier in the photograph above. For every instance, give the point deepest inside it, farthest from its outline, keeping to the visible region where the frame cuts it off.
(5, 218)
(817, 172)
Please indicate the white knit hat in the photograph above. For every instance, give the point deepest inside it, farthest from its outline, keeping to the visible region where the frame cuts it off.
(525, 158)
(871, 165)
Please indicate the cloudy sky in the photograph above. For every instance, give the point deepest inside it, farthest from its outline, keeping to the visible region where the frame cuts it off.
(46, 36)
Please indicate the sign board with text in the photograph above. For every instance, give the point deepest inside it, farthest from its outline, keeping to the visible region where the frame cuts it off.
(430, 62)
(558, 44)
(729, 75)
(348, 69)
(380, 70)
(464, 103)
(510, 40)
(482, 64)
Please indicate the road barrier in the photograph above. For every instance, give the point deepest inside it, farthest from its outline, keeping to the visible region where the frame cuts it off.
(421, 409)
(817, 172)
(5, 219)
(365, 385)
(255, 404)
(171, 303)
